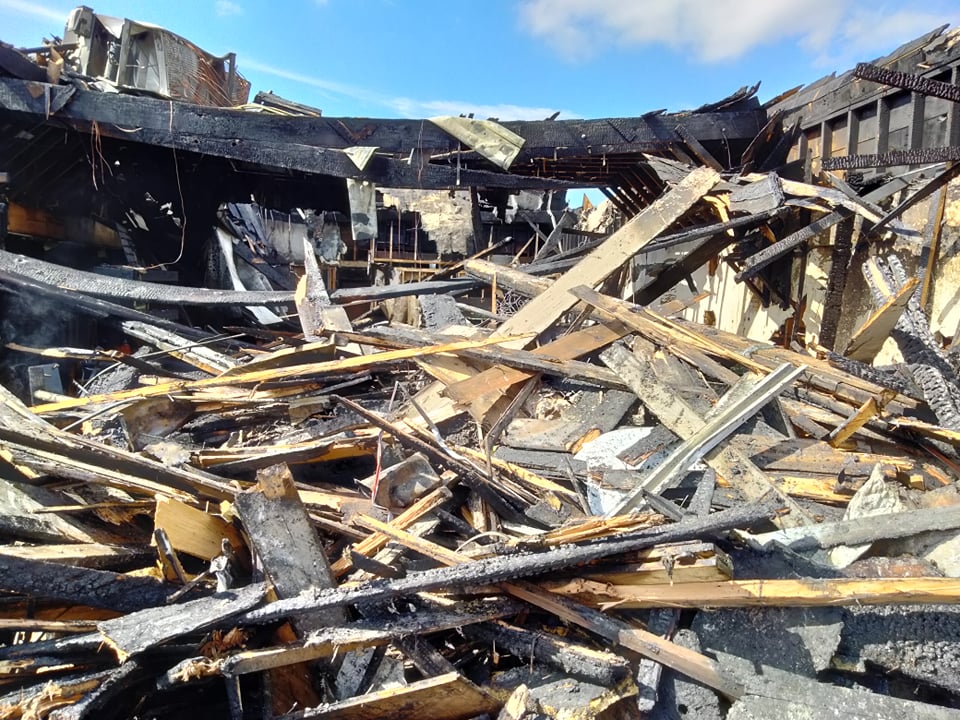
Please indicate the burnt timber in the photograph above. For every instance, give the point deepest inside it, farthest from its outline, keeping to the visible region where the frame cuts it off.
(555, 153)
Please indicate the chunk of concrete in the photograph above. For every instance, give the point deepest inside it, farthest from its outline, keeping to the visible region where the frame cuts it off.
(876, 497)
(798, 640)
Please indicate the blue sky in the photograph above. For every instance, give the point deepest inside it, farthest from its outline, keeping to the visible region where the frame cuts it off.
(520, 59)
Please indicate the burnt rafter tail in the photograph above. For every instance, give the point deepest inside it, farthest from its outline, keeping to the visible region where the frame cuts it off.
(908, 81)
(922, 156)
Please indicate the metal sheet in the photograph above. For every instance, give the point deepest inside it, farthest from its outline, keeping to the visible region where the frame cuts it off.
(491, 139)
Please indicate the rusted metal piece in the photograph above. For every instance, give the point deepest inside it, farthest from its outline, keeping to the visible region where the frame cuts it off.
(908, 81)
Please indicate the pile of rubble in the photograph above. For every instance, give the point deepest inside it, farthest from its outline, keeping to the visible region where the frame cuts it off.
(580, 503)
(411, 515)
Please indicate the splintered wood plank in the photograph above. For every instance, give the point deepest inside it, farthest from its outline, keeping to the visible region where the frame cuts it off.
(497, 381)
(313, 369)
(690, 663)
(683, 420)
(286, 542)
(867, 412)
(822, 488)
(139, 631)
(369, 546)
(869, 338)
(445, 697)
(936, 432)
(194, 531)
(805, 592)
(545, 309)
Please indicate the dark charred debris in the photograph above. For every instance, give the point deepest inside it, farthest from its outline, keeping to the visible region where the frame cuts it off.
(355, 418)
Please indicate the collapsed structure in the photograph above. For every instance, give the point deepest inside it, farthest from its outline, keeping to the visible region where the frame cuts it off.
(353, 418)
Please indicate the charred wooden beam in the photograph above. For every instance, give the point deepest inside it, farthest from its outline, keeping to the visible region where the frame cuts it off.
(93, 307)
(920, 156)
(277, 523)
(131, 634)
(502, 568)
(908, 81)
(836, 282)
(569, 138)
(105, 286)
(80, 586)
(756, 262)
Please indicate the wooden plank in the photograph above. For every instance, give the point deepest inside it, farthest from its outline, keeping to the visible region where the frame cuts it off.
(803, 592)
(683, 420)
(869, 337)
(286, 543)
(484, 390)
(309, 369)
(545, 309)
(193, 531)
(445, 697)
(690, 663)
(369, 546)
(139, 631)
(866, 412)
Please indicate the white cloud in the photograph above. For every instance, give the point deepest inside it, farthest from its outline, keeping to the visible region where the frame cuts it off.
(36, 9)
(428, 108)
(225, 8)
(405, 107)
(718, 30)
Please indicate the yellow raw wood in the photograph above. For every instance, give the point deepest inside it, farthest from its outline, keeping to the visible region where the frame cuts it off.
(864, 414)
(408, 517)
(545, 309)
(409, 540)
(869, 338)
(444, 697)
(271, 375)
(822, 489)
(679, 563)
(193, 531)
(806, 592)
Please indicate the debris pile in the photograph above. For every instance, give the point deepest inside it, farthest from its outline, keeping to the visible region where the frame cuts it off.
(580, 503)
